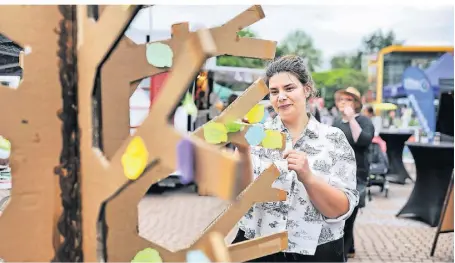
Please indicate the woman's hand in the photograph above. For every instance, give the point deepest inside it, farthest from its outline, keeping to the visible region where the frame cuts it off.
(349, 113)
(298, 162)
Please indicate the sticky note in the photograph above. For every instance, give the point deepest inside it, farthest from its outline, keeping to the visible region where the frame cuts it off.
(185, 161)
(159, 55)
(134, 160)
(266, 115)
(256, 114)
(255, 135)
(147, 255)
(196, 256)
(272, 140)
(215, 133)
(188, 104)
(234, 126)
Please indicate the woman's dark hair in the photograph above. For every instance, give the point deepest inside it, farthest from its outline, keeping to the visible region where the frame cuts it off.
(295, 65)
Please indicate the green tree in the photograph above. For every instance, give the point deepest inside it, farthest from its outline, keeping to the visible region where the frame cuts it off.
(233, 61)
(300, 43)
(347, 60)
(378, 40)
(332, 80)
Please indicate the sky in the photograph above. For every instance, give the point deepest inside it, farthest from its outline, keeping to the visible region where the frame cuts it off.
(334, 29)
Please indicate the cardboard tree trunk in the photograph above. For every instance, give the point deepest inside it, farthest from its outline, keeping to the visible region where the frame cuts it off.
(29, 120)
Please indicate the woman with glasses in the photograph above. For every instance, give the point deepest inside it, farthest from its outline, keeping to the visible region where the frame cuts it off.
(359, 131)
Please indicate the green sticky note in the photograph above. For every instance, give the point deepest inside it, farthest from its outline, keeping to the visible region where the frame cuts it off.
(188, 104)
(159, 55)
(215, 133)
(234, 126)
(147, 255)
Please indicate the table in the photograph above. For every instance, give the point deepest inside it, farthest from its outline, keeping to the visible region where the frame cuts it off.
(395, 140)
(434, 166)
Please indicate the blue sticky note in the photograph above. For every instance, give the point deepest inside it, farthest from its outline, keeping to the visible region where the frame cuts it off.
(255, 135)
(196, 256)
(266, 115)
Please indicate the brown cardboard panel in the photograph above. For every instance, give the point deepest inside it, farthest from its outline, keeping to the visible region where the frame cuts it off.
(94, 41)
(258, 191)
(258, 247)
(128, 64)
(30, 122)
(171, 232)
(447, 217)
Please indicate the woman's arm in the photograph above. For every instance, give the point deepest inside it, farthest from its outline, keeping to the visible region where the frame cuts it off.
(330, 201)
(363, 132)
(334, 199)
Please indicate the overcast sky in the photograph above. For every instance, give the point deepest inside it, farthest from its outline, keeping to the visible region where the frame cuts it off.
(334, 28)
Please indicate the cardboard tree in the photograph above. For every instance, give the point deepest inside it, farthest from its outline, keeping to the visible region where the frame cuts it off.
(30, 121)
(120, 211)
(108, 197)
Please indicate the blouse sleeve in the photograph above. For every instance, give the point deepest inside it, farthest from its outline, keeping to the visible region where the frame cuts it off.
(343, 174)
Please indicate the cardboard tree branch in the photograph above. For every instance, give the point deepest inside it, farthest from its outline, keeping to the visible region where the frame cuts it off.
(120, 71)
(125, 227)
(29, 120)
(101, 179)
(258, 192)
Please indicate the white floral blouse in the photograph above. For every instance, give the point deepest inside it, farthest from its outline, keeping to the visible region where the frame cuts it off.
(330, 157)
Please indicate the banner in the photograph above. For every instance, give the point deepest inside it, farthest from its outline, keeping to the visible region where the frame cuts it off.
(421, 97)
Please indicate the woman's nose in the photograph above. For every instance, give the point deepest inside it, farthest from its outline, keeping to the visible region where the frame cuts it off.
(281, 96)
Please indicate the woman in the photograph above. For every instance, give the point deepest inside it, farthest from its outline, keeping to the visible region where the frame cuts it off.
(359, 131)
(317, 169)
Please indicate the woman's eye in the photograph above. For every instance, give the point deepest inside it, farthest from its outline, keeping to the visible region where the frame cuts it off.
(273, 92)
(290, 89)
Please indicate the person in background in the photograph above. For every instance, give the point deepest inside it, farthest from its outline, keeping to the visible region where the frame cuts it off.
(377, 122)
(231, 99)
(359, 131)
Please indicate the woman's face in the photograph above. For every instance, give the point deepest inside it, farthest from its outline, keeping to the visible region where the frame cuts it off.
(287, 96)
(343, 101)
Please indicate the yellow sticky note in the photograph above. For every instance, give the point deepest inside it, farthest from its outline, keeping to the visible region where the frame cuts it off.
(134, 160)
(234, 126)
(147, 255)
(272, 140)
(215, 133)
(256, 114)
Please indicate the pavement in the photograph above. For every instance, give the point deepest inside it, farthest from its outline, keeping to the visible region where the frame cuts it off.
(382, 237)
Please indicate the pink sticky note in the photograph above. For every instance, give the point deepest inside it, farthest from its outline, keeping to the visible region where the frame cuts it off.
(185, 161)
